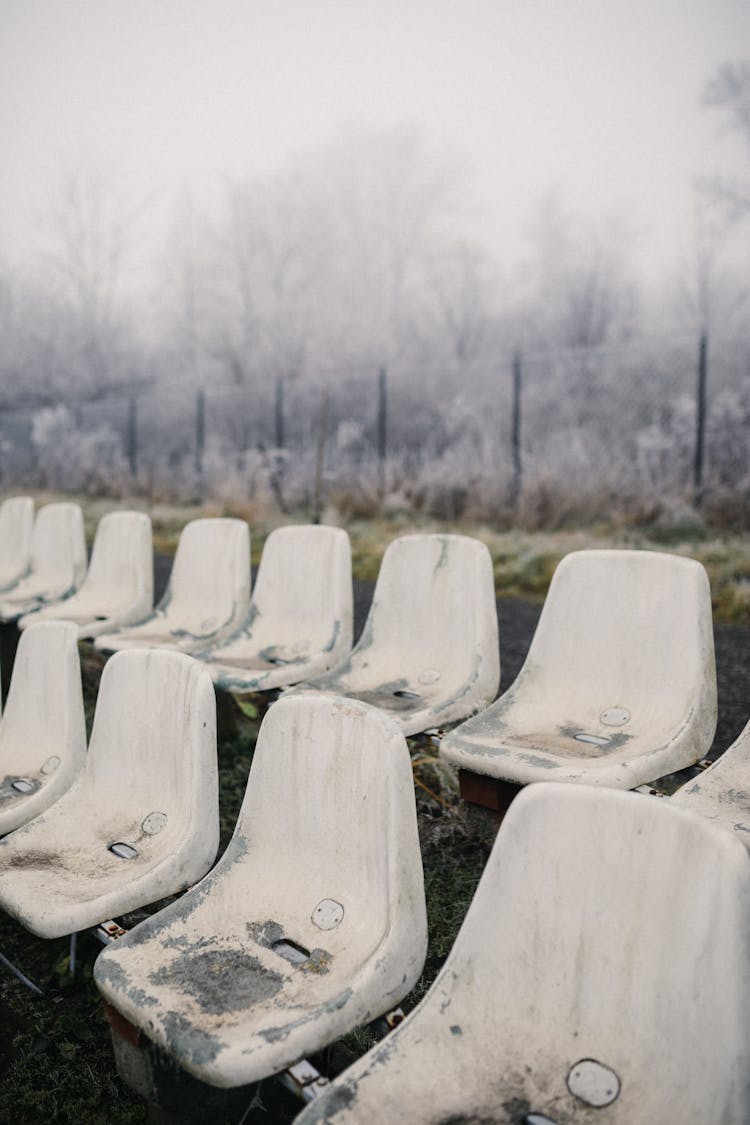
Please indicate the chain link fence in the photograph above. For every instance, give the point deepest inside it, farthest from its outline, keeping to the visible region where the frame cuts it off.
(540, 437)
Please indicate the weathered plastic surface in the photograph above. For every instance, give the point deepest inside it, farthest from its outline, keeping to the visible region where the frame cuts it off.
(207, 596)
(429, 651)
(600, 977)
(619, 685)
(16, 524)
(43, 729)
(119, 586)
(150, 782)
(722, 792)
(58, 561)
(325, 858)
(300, 619)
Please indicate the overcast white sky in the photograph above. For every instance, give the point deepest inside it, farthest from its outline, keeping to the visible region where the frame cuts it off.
(596, 98)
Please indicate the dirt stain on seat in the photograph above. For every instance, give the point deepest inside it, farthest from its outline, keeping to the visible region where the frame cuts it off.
(220, 980)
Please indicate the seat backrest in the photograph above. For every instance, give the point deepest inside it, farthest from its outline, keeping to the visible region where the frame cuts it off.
(210, 579)
(434, 603)
(58, 543)
(627, 627)
(303, 589)
(121, 564)
(329, 822)
(16, 524)
(601, 973)
(141, 821)
(43, 729)
(722, 792)
(153, 741)
(616, 929)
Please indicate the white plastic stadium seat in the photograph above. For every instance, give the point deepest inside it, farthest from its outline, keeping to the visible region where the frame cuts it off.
(43, 729)
(142, 819)
(600, 975)
(722, 792)
(58, 561)
(429, 652)
(300, 619)
(312, 922)
(119, 586)
(16, 524)
(208, 593)
(619, 685)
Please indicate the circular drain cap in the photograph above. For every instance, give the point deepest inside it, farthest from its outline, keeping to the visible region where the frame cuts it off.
(327, 914)
(429, 676)
(593, 1083)
(154, 823)
(615, 716)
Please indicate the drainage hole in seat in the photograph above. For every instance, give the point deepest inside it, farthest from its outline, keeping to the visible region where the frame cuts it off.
(22, 785)
(290, 950)
(592, 739)
(406, 694)
(538, 1119)
(123, 851)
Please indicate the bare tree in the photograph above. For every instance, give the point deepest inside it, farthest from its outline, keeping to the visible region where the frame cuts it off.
(389, 202)
(728, 93)
(264, 271)
(89, 242)
(90, 236)
(187, 290)
(581, 292)
(333, 260)
(460, 299)
(712, 286)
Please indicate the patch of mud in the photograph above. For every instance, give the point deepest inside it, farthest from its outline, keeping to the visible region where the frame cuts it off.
(319, 962)
(33, 860)
(336, 1100)
(265, 933)
(220, 980)
(469, 1119)
(189, 1042)
(109, 971)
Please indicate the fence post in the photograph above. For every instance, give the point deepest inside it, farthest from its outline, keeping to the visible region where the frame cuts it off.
(516, 431)
(200, 434)
(700, 420)
(320, 457)
(279, 414)
(382, 428)
(277, 472)
(133, 435)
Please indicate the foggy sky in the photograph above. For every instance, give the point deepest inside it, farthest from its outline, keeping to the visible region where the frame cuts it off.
(596, 99)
